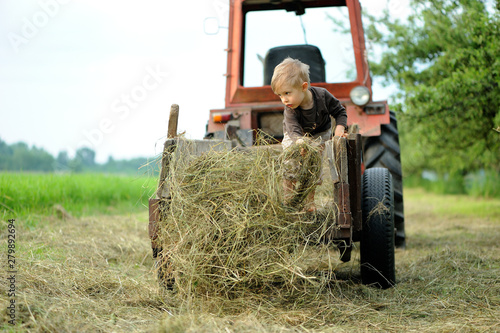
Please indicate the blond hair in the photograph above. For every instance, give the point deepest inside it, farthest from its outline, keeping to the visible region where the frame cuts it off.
(291, 71)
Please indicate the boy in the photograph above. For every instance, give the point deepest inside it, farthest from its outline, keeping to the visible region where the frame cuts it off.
(307, 112)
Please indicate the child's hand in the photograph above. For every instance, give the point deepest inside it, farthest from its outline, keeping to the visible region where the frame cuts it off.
(340, 131)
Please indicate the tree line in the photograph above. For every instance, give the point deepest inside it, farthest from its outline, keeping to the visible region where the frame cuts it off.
(21, 157)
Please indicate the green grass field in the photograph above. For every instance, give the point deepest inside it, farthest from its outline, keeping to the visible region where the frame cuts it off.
(35, 194)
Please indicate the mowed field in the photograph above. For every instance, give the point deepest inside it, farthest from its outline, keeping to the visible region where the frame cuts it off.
(96, 274)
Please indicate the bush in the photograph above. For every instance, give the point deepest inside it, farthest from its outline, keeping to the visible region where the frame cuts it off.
(484, 183)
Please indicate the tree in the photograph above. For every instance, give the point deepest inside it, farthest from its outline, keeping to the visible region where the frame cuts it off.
(62, 161)
(5, 154)
(445, 61)
(86, 156)
(20, 157)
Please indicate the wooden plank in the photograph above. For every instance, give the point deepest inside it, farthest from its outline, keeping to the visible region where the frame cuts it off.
(340, 157)
(173, 120)
(168, 148)
(154, 218)
(330, 155)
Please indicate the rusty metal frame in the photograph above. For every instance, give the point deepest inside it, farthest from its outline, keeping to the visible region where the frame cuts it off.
(341, 189)
(344, 155)
(354, 179)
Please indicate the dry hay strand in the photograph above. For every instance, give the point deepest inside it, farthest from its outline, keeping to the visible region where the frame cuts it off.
(90, 275)
(380, 209)
(225, 232)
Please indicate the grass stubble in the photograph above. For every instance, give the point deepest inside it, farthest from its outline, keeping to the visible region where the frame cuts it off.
(95, 273)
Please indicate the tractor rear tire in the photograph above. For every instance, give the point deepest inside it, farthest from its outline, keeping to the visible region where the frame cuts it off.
(377, 236)
(383, 151)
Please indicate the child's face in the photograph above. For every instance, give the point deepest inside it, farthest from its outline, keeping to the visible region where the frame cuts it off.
(292, 97)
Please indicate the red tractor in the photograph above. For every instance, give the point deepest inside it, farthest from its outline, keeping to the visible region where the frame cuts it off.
(365, 167)
(328, 36)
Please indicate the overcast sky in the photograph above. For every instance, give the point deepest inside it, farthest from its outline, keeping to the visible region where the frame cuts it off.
(103, 73)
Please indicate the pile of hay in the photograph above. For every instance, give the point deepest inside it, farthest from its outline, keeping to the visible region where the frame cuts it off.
(226, 232)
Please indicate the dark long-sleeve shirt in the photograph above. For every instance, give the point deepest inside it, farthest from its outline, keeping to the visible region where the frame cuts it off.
(299, 122)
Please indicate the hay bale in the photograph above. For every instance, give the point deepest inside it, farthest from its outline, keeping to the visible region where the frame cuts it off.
(224, 230)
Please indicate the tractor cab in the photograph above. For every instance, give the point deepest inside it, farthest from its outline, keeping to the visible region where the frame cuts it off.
(326, 35)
